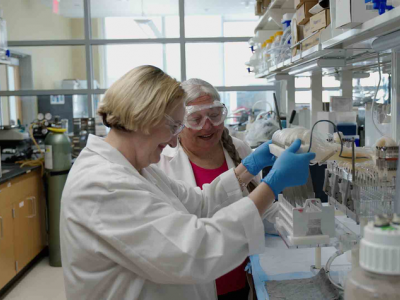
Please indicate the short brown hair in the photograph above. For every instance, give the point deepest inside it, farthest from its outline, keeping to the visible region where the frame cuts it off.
(139, 99)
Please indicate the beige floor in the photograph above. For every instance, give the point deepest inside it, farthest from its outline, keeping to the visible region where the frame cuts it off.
(42, 282)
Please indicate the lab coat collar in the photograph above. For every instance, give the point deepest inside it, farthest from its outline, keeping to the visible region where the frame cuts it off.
(180, 163)
(104, 149)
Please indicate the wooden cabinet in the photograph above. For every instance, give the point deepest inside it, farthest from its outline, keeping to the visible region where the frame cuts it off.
(22, 201)
(7, 260)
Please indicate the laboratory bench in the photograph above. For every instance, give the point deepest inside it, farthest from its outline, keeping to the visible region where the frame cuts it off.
(22, 219)
(10, 171)
(279, 263)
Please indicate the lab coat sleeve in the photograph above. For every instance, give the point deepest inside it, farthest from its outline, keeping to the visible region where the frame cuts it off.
(221, 192)
(244, 150)
(147, 235)
(271, 213)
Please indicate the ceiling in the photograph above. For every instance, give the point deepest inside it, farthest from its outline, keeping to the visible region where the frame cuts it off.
(131, 8)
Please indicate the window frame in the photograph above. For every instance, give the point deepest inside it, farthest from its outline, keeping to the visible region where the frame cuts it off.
(88, 42)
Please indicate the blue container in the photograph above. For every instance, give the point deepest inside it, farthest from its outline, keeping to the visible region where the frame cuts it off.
(347, 128)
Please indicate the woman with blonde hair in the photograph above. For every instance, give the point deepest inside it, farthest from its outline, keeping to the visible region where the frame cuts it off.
(128, 231)
(206, 150)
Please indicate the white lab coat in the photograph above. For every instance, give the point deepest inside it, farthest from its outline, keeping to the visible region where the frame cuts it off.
(175, 163)
(126, 235)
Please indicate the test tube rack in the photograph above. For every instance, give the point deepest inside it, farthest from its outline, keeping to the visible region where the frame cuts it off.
(312, 224)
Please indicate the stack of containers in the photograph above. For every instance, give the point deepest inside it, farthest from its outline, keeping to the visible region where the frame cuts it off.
(317, 23)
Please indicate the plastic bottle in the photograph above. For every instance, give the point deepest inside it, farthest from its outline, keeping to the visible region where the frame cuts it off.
(378, 277)
(266, 55)
(275, 46)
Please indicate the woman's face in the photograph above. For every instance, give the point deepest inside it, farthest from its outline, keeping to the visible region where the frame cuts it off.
(160, 136)
(206, 138)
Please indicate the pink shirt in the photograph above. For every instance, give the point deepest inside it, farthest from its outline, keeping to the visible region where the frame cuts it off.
(235, 279)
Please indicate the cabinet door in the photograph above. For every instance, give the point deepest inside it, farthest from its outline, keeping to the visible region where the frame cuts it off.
(29, 232)
(39, 217)
(7, 259)
(23, 231)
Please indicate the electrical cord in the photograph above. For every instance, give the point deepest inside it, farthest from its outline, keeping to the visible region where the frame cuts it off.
(328, 266)
(376, 94)
(336, 130)
(35, 162)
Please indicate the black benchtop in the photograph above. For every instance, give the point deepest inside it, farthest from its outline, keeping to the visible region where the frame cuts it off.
(10, 171)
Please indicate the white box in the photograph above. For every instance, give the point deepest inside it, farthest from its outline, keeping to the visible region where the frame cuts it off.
(351, 13)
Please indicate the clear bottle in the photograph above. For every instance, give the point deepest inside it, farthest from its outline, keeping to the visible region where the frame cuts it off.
(378, 277)
(266, 55)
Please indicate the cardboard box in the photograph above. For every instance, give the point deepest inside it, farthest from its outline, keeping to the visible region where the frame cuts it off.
(258, 9)
(266, 3)
(351, 13)
(298, 3)
(312, 41)
(302, 14)
(307, 29)
(320, 20)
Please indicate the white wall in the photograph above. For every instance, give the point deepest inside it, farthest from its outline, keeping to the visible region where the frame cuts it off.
(31, 20)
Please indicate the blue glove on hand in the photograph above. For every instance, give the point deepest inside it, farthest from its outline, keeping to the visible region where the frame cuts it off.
(290, 169)
(259, 159)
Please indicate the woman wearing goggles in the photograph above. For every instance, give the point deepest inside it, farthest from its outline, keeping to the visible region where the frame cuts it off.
(205, 150)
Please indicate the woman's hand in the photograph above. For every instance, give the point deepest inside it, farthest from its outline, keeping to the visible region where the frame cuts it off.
(259, 159)
(290, 169)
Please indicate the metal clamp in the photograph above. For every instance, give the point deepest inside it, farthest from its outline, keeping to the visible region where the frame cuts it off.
(33, 199)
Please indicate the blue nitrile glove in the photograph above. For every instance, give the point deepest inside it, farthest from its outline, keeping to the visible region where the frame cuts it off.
(259, 159)
(290, 169)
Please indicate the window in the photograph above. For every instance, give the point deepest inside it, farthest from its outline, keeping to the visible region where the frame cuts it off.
(222, 64)
(240, 104)
(49, 48)
(219, 18)
(113, 61)
(364, 88)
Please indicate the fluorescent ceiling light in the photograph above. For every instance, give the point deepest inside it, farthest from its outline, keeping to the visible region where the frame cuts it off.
(148, 27)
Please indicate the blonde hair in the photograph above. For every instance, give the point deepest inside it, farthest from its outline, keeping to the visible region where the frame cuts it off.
(139, 99)
(196, 88)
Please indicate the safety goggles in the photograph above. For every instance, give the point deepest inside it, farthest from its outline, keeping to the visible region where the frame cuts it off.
(175, 126)
(197, 115)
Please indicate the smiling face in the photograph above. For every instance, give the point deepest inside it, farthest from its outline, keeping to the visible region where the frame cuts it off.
(161, 135)
(205, 139)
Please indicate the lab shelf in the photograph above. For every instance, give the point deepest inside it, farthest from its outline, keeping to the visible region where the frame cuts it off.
(378, 26)
(347, 44)
(275, 11)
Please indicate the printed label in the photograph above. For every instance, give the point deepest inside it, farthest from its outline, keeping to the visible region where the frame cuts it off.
(48, 157)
